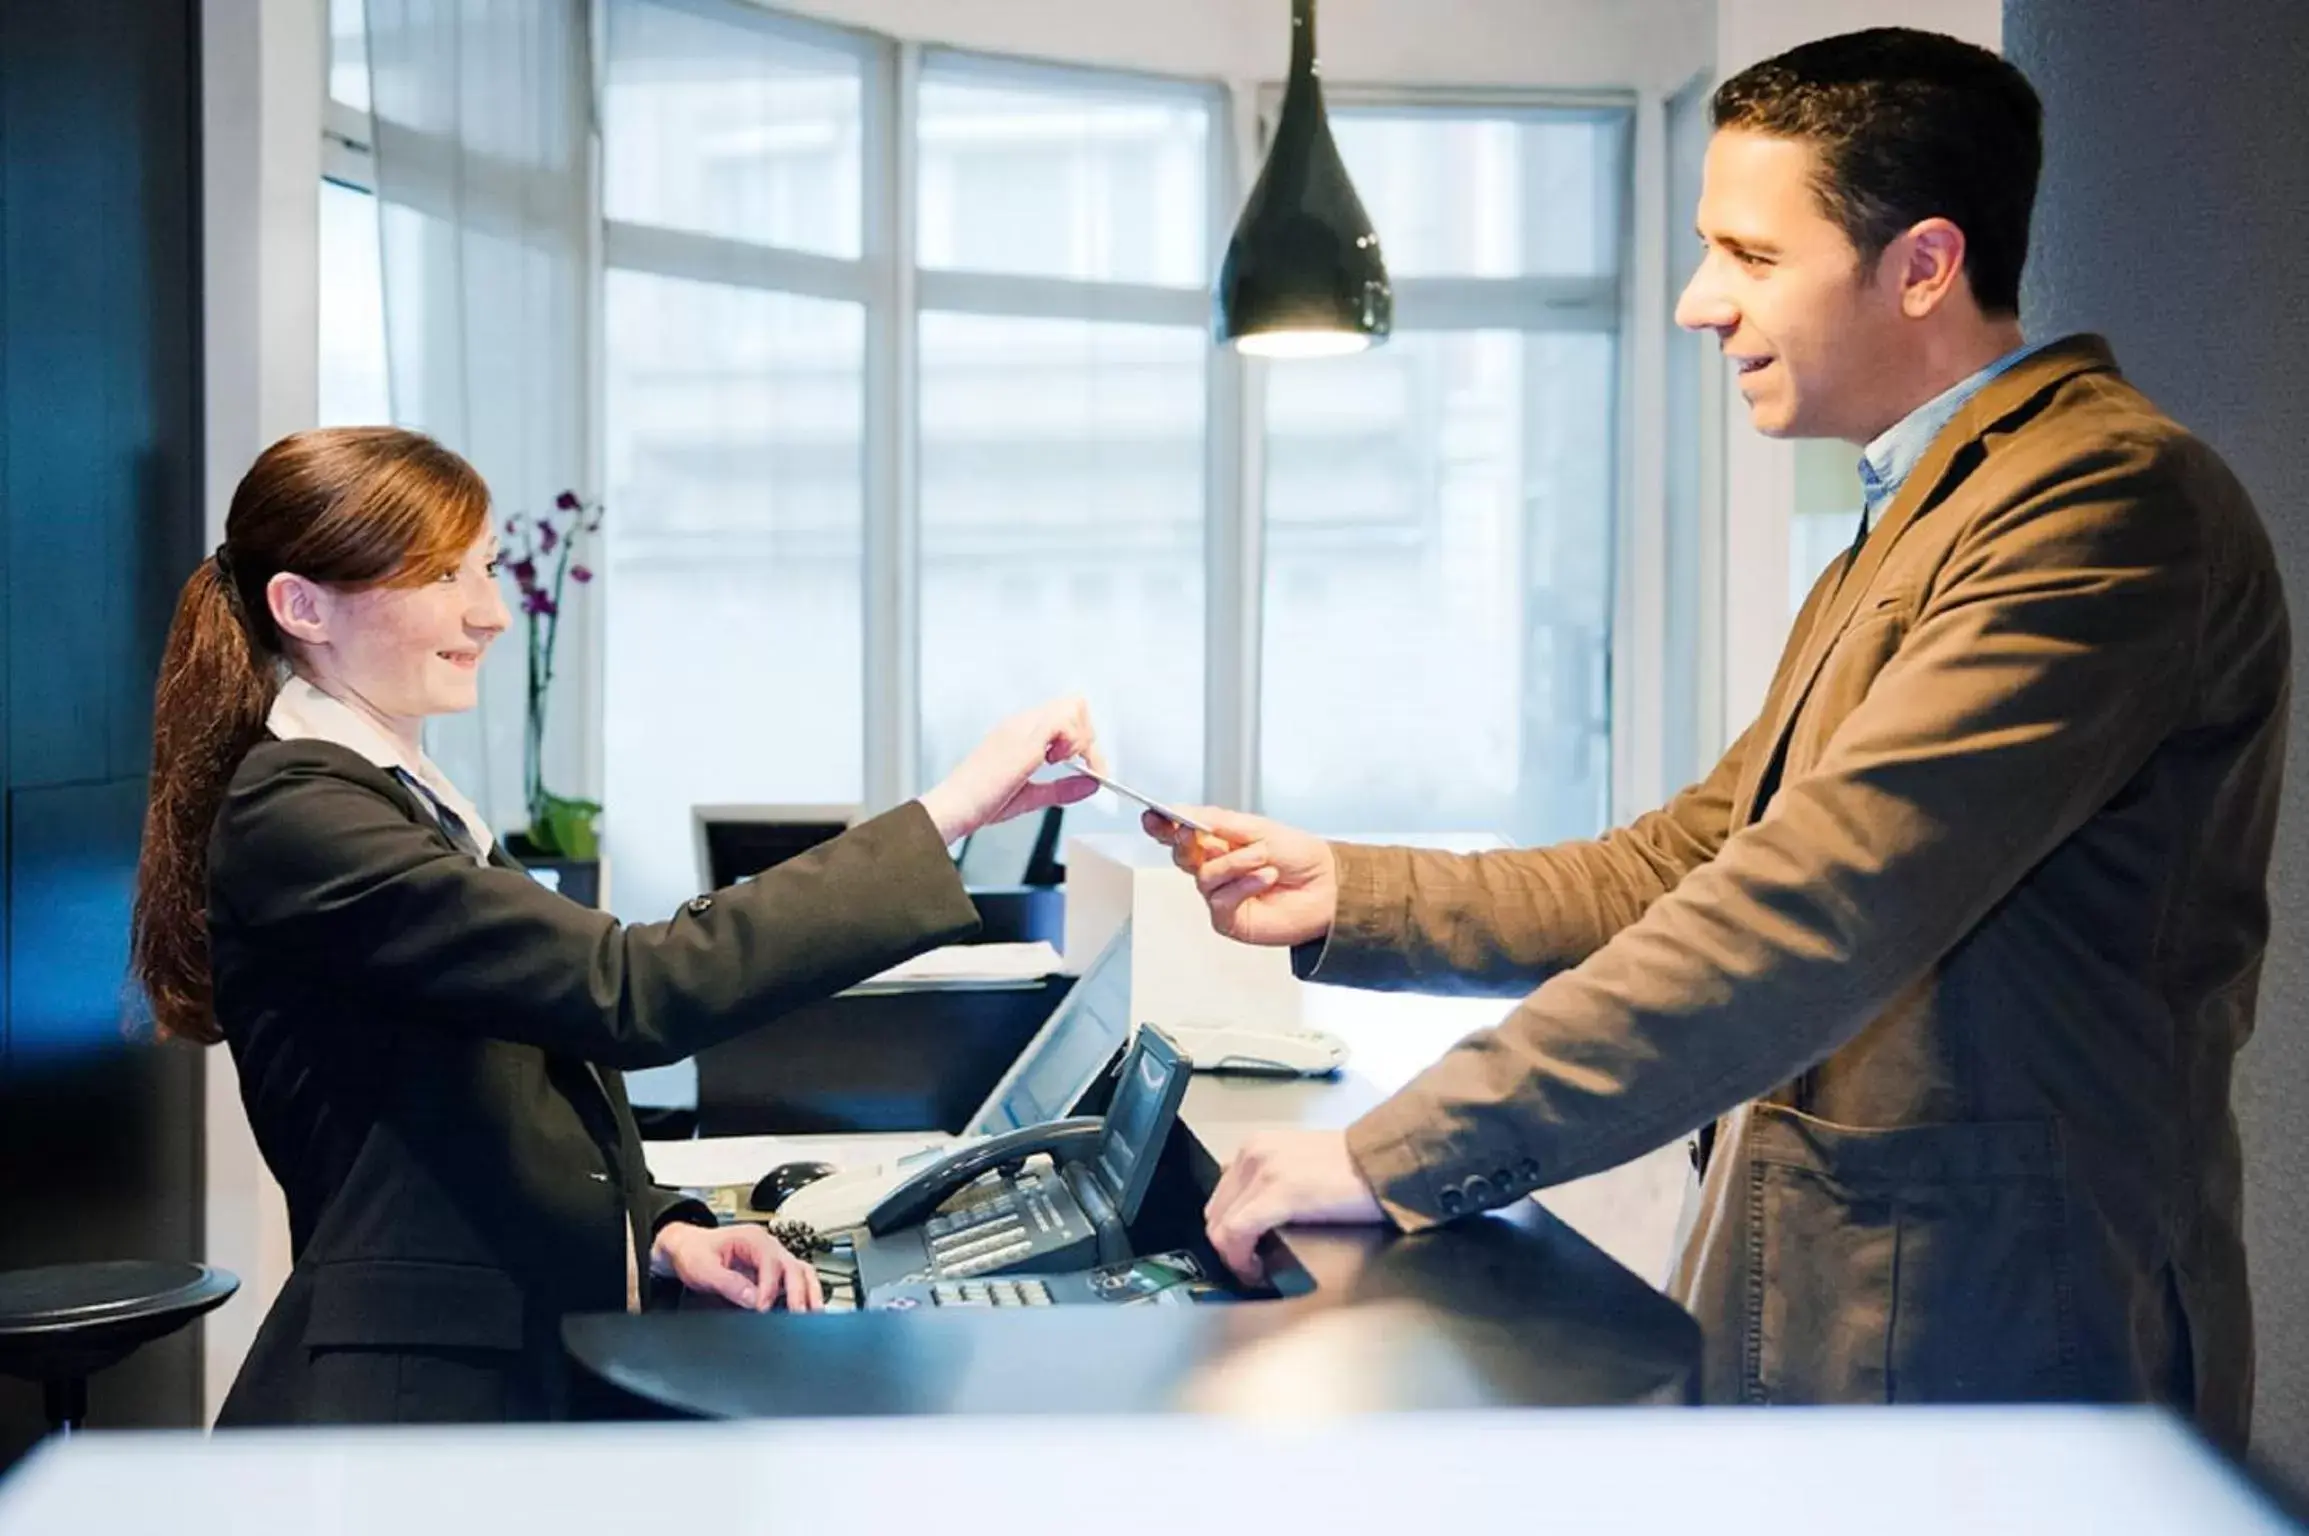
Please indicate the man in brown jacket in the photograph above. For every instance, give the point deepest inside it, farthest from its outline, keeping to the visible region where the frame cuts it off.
(1952, 953)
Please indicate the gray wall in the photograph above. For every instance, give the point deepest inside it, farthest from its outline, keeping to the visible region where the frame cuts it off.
(2174, 219)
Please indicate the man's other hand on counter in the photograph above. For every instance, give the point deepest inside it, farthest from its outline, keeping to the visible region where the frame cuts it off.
(1279, 1177)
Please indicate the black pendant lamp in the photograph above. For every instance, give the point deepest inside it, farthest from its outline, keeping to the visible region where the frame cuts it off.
(1303, 276)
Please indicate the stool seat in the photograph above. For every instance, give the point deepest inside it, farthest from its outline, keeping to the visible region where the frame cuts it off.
(62, 1323)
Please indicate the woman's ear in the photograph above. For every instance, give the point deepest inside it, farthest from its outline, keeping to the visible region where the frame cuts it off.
(301, 609)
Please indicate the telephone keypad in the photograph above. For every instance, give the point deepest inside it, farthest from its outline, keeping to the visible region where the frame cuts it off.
(993, 1232)
(1025, 1291)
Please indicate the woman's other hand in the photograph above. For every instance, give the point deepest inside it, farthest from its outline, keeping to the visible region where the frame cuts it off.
(991, 784)
(741, 1263)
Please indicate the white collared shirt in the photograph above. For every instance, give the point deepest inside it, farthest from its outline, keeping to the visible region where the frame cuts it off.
(302, 712)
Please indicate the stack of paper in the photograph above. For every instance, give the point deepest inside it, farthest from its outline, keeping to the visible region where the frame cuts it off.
(969, 965)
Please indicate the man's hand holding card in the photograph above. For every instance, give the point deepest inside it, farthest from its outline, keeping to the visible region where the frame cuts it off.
(1264, 882)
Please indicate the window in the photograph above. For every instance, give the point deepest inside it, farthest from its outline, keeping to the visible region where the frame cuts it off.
(1061, 451)
(348, 55)
(1440, 511)
(734, 414)
(353, 380)
(1437, 610)
(352, 310)
(912, 419)
(1826, 514)
(1459, 195)
(745, 132)
(1038, 174)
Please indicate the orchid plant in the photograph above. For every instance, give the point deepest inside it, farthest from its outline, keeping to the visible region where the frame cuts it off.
(539, 551)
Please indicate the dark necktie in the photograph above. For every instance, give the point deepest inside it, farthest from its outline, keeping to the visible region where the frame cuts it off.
(459, 834)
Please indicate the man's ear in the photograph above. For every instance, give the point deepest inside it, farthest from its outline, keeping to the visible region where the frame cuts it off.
(301, 609)
(1931, 265)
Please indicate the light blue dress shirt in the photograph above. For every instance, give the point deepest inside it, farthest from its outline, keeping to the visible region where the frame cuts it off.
(1887, 460)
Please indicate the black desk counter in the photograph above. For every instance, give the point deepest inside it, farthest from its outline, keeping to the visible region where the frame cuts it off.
(1513, 1308)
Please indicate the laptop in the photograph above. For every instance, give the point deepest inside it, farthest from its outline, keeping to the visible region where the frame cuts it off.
(1074, 1048)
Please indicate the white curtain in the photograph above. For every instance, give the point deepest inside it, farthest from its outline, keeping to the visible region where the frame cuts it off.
(483, 128)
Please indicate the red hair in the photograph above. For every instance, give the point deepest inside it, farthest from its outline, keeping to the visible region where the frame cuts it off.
(351, 507)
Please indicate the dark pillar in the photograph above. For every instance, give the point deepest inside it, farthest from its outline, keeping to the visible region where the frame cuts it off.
(100, 1135)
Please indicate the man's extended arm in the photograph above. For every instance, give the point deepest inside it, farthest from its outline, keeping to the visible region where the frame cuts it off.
(1499, 923)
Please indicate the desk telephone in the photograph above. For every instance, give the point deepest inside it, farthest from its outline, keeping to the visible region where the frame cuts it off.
(985, 1211)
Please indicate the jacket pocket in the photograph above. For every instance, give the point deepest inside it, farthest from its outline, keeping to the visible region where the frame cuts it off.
(403, 1303)
(1914, 1264)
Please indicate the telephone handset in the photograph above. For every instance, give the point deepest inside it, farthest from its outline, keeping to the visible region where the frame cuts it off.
(1067, 1141)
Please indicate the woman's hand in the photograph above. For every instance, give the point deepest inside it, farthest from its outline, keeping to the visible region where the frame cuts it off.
(991, 783)
(1265, 883)
(742, 1264)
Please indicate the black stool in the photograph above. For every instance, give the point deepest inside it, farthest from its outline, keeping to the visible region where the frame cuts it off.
(62, 1323)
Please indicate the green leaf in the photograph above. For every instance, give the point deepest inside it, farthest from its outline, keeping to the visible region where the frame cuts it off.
(564, 827)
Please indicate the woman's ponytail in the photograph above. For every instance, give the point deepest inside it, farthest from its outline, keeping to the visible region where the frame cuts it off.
(208, 710)
(347, 507)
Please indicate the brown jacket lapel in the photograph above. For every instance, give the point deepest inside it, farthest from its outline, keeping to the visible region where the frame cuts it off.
(1942, 469)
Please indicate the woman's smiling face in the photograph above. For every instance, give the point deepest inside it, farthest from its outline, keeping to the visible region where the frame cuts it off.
(407, 652)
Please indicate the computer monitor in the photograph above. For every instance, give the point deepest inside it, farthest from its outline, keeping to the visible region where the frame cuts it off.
(735, 842)
(1020, 851)
(997, 855)
(1068, 1054)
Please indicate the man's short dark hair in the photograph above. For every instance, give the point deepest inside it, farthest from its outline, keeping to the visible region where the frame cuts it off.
(1908, 125)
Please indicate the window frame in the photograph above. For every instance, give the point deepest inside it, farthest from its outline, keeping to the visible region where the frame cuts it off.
(1230, 698)
(894, 291)
(1623, 305)
(348, 154)
(888, 280)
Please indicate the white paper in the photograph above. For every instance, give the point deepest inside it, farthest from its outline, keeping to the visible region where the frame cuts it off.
(743, 1159)
(969, 963)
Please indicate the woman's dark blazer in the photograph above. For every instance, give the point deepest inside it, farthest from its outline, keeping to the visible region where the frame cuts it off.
(429, 1051)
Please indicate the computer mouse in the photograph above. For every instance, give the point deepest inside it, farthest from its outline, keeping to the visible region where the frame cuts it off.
(771, 1190)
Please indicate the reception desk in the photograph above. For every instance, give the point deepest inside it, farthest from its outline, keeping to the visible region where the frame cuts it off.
(1515, 1308)
(1267, 1417)
(1891, 1471)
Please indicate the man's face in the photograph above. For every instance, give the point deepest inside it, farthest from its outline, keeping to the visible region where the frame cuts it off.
(1816, 339)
